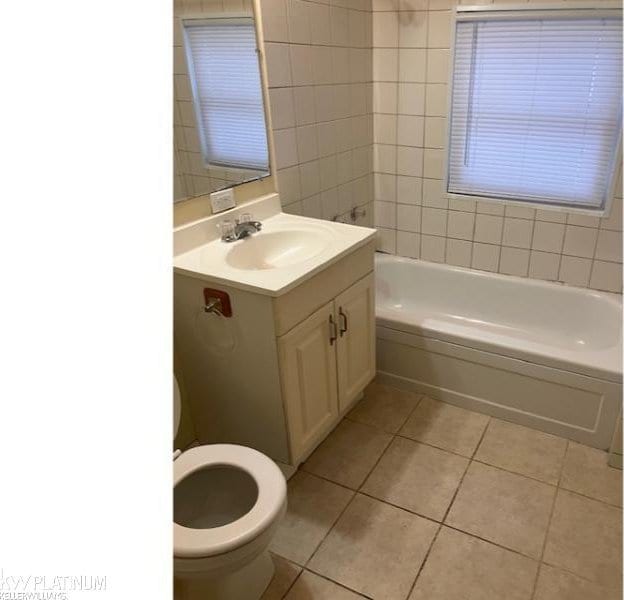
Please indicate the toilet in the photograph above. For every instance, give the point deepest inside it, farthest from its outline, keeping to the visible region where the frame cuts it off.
(228, 501)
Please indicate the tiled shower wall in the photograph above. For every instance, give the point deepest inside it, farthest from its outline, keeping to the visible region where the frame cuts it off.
(321, 67)
(411, 41)
(319, 63)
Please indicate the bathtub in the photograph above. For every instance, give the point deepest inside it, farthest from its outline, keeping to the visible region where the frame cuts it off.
(536, 353)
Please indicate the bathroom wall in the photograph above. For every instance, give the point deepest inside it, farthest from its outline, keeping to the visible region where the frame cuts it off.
(411, 40)
(320, 69)
(318, 61)
(319, 64)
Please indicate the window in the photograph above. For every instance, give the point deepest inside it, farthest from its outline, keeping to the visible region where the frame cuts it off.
(536, 106)
(225, 77)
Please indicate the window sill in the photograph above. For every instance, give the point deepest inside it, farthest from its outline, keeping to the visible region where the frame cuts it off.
(592, 212)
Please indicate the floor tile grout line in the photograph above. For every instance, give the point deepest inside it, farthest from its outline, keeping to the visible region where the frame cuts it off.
(448, 508)
(331, 528)
(376, 463)
(488, 541)
(609, 504)
(424, 562)
(487, 426)
(550, 517)
(302, 466)
(292, 585)
(294, 562)
(418, 401)
(489, 464)
(405, 437)
(461, 481)
(342, 585)
(342, 485)
(392, 433)
(412, 512)
(563, 463)
(419, 398)
(581, 577)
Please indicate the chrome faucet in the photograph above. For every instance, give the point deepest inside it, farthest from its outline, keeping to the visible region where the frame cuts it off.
(240, 229)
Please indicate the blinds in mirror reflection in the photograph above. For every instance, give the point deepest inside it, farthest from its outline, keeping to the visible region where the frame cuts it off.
(225, 75)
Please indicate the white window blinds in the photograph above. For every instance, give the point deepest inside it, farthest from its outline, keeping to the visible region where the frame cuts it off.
(225, 76)
(536, 107)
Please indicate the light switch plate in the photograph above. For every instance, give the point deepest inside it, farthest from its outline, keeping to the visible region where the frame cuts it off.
(222, 200)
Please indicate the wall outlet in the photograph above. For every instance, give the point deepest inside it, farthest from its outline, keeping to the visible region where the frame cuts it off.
(222, 200)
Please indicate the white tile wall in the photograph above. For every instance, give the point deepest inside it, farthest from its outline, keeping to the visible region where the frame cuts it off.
(320, 62)
(411, 57)
(330, 65)
(514, 261)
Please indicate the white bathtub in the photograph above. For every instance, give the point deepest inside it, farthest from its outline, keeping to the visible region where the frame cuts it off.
(541, 354)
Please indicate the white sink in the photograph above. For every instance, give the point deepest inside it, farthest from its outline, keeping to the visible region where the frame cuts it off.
(277, 249)
(287, 250)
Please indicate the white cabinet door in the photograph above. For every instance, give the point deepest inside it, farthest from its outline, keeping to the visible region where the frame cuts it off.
(308, 371)
(355, 314)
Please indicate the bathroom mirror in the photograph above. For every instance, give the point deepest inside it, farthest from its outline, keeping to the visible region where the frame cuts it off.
(220, 136)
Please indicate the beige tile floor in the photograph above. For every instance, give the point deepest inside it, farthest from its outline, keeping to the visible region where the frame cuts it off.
(413, 499)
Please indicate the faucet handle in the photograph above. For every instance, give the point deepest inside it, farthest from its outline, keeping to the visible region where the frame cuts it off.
(226, 227)
(248, 219)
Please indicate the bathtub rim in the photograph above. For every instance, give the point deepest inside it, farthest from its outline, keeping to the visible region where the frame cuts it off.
(612, 297)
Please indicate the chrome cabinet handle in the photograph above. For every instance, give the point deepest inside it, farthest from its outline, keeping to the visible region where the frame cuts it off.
(345, 326)
(332, 330)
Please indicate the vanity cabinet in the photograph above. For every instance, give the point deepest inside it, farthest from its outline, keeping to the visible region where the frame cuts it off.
(279, 373)
(325, 363)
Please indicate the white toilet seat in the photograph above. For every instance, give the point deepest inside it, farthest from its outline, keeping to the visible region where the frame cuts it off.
(198, 543)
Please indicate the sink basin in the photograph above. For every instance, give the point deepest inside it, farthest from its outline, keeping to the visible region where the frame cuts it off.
(277, 249)
(288, 250)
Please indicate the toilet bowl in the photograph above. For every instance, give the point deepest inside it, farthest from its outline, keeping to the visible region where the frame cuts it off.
(228, 502)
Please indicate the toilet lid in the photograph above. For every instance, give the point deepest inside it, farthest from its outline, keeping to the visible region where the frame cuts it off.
(195, 543)
(177, 407)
